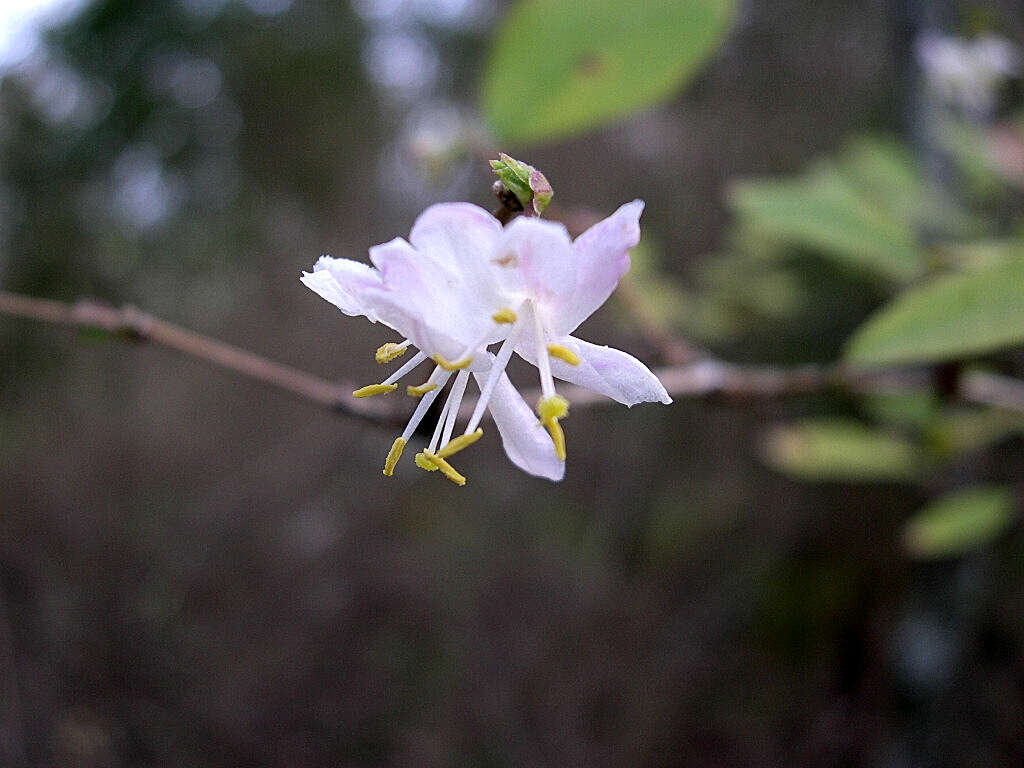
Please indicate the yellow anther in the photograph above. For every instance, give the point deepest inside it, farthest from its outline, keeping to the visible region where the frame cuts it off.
(394, 455)
(505, 316)
(557, 437)
(551, 408)
(563, 353)
(422, 463)
(388, 352)
(446, 469)
(460, 442)
(421, 390)
(458, 365)
(374, 389)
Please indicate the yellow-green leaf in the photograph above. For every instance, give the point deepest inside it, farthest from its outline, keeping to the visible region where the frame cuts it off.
(559, 67)
(959, 522)
(841, 451)
(822, 210)
(948, 318)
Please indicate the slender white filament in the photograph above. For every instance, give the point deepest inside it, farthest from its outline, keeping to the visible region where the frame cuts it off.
(497, 368)
(439, 377)
(436, 437)
(413, 361)
(454, 403)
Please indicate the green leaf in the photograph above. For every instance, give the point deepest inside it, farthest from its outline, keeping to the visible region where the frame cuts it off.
(958, 430)
(824, 211)
(950, 317)
(914, 409)
(560, 67)
(980, 254)
(886, 172)
(959, 522)
(842, 451)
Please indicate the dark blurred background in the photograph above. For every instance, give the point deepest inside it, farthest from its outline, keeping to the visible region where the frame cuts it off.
(196, 570)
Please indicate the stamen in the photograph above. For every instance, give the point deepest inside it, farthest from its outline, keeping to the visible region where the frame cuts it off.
(504, 316)
(435, 438)
(393, 456)
(388, 352)
(422, 463)
(458, 365)
(446, 469)
(374, 389)
(460, 442)
(564, 354)
(407, 366)
(437, 377)
(497, 368)
(552, 408)
(557, 437)
(421, 390)
(454, 402)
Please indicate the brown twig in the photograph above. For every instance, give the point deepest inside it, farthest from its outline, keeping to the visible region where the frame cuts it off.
(711, 378)
(707, 377)
(993, 389)
(135, 325)
(673, 350)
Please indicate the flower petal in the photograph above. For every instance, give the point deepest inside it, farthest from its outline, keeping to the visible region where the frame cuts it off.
(342, 282)
(535, 259)
(602, 258)
(456, 235)
(417, 298)
(607, 370)
(524, 439)
(460, 239)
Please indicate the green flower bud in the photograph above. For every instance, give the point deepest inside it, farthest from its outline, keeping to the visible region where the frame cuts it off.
(529, 185)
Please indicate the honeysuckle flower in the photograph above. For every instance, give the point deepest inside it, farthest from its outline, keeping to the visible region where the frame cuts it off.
(463, 283)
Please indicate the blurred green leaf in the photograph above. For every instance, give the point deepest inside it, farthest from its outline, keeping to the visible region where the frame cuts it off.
(961, 430)
(843, 451)
(958, 523)
(971, 148)
(559, 67)
(950, 317)
(979, 254)
(905, 409)
(886, 172)
(824, 211)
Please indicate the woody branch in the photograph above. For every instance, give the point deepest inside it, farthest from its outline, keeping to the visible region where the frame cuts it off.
(700, 376)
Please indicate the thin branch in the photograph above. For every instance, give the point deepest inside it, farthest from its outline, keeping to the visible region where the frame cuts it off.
(710, 378)
(707, 377)
(993, 389)
(135, 325)
(673, 350)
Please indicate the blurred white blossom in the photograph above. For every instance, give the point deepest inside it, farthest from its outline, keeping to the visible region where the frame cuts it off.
(966, 74)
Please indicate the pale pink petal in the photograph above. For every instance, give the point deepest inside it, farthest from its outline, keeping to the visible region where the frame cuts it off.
(456, 235)
(602, 258)
(607, 370)
(343, 282)
(535, 260)
(525, 441)
(415, 289)
(460, 239)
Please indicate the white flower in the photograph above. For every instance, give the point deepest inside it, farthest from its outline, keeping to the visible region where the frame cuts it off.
(967, 74)
(463, 283)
